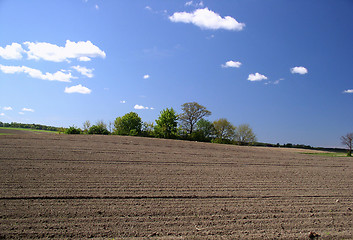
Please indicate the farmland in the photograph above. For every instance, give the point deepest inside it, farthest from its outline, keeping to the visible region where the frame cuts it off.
(90, 186)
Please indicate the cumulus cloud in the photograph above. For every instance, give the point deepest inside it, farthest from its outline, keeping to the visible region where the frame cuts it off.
(299, 70)
(348, 91)
(78, 89)
(140, 107)
(13, 51)
(27, 110)
(82, 51)
(7, 108)
(207, 19)
(231, 64)
(61, 75)
(146, 76)
(256, 77)
(84, 59)
(84, 71)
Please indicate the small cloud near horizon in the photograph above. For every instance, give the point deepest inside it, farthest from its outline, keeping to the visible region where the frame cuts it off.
(348, 91)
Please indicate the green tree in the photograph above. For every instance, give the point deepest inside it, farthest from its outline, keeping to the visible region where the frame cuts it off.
(244, 134)
(166, 124)
(99, 128)
(129, 124)
(73, 130)
(192, 113)
(348, 141)
(204, 130)
(224, 130)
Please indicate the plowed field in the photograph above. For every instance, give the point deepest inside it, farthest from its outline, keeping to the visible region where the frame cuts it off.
(67, 187)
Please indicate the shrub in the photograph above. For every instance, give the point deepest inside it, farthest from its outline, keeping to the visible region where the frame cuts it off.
(73, 130)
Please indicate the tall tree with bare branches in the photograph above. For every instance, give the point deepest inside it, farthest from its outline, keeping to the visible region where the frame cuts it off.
(192, 113)
(348, 141)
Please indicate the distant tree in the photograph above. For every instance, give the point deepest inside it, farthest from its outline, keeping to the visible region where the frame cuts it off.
(244, 134)
(348, 141)
(204, 130)
(192, 113)
(166, 124)
(99, 128)
(73, 130)
(129, 124)
(147, 129)
(224, 130)
(86, 126)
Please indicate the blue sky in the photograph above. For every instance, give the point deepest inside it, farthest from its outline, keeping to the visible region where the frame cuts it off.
(284, 67)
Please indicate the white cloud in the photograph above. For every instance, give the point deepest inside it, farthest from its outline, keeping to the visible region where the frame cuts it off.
(78, 89)
(256, 77)
(84, 71)
(2, 114)
(146, 76)
(191, 3)
(300, 70)
(7, 108)
(97, 7)
(22, 113)
(27, 110)
(148, 8)
(35, 73)
(84, 59)
(231, 64)
(348, 91)
(140, 107)
(207, 19)
(13, 51)
(72, 50)
(123, 101)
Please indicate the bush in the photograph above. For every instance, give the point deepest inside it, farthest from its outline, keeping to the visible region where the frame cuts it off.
(73, 130)
(99, 128)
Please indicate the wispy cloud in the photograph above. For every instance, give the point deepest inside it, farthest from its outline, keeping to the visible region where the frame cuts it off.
(146, 76)
(13, 51)
(299, 70)
(231, 64)
(348, 91)
(207, 19)
(7, 108)
(27, 110)
(2, 114)
(88, 72)
(195, 4)
(123, 101)
(96, 7)
(62, 75)
(78, 89)
(81, 51)
(256, 77)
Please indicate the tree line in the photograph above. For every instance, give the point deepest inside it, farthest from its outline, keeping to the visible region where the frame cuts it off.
(29, 126)
(190, 124)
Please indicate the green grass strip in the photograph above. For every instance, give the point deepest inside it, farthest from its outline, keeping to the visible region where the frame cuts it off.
(27, 129)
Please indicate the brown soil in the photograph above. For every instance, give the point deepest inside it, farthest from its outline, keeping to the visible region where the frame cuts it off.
(66, 186)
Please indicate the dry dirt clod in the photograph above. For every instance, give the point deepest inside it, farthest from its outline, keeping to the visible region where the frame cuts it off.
(314, 235)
